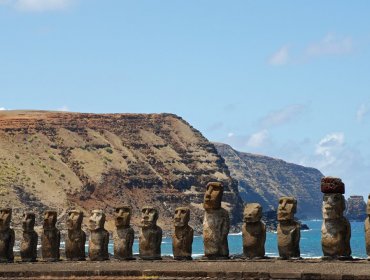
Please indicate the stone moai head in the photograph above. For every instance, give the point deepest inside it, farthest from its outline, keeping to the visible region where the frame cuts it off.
(50, 219)
(333, 206)
(368, 206)
(123, 216)
(74, 220)
(213, 195)
(287, 208)
(252, 213)
(182, 216)
(28, 221)
(5, 218)
(96, 220)
(149, 217)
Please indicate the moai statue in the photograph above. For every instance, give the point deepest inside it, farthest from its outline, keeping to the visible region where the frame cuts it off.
(288, 230)
(182, 238)
(76, 237)
(50, 238)
(29, 241)
(216, 223)
(150, 238)
(99, 237)
(367, 229)
(254, 232)
(7, 236)
(335, 230)
(124, 235)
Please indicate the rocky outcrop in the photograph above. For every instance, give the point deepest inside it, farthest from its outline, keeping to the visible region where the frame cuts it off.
(264, 179)
(356, 208)
(65, 160)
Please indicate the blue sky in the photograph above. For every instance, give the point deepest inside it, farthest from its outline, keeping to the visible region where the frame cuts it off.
(288, 79)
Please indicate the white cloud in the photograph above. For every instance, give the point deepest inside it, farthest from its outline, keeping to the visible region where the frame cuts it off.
(230, 134)
(283, 115)
(330, 45)
(38, 5)
(258, 139)
(362, 111)
(63, 109)
(280, 57)
(2, 109)
(328, 147)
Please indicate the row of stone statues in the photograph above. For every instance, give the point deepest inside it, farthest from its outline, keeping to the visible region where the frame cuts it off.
(336, 231)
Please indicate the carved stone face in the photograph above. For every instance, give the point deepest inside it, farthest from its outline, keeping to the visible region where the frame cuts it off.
(123, 216)
(368, 206)
(287, 208)
(149, 217)
(333, 206)
(74, 220)
(182, 216)
(213, 195)
(252, 213)
(28, 221)
(50, 219)
(5, 218)
(96, 220)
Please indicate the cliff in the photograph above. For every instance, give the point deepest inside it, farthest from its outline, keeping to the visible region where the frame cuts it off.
(86, 161)
(356, 208)
(264, 179)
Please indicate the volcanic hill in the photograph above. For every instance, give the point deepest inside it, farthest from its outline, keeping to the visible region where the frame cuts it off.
(264, 179)
(73, 160)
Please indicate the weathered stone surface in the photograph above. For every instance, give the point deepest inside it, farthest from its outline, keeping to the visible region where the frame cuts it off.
(332, 185)
(28, 248)
(50, 238)
(335, 230)
(124, 234)
(182, 238)
(216, 223)
(288, 230)
(150, 237)
(367, 227)
(254, 231)
(7, 236)
(99, 237)
(76, 237)
(356, 208)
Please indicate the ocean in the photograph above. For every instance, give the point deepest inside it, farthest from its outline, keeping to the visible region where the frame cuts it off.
(310, 243)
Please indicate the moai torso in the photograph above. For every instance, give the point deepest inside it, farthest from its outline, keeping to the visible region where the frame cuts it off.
(335, 230)
(288, 230)
(7, 236)
(216, 223)
(76, 237)
(28, 248)
(124, 235)
(182, 238)
(150, 238)
(50, 238)
(254, 232)
(367, 228)
(99, 237)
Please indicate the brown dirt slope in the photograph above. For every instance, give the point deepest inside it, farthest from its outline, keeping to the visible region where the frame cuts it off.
(86, 161)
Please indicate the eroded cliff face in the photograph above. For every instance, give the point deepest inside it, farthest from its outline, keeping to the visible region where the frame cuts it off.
(87, 161)
(356, 208)
(264, 179)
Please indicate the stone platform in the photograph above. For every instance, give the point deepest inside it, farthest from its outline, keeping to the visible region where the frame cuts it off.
(197, 269)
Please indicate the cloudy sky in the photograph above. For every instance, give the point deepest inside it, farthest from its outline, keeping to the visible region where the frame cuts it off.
(288, 79)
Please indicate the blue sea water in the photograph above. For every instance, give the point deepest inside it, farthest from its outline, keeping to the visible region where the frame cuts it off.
(310, 243)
